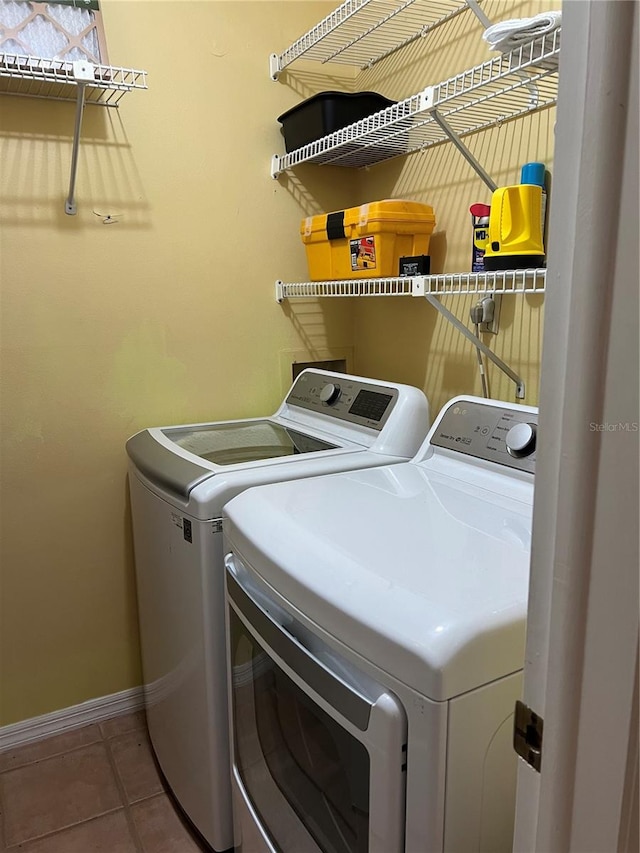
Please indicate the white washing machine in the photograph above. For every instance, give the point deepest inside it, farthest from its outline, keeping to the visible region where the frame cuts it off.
(180, 477)
(376, 630)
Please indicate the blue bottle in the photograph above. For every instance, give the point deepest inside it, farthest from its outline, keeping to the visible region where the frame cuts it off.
(536, 174)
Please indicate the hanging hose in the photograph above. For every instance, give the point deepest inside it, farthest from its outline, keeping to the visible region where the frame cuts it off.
(483, 376)
(477, 317)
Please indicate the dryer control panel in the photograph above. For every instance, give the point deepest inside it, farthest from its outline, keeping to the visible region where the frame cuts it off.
(339, 396)
(503, 435)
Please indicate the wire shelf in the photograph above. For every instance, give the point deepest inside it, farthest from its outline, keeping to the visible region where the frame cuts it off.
(54, 79)
(503, 282)
(444, 284)
(362, 32)
(503, 88)
(346, 287)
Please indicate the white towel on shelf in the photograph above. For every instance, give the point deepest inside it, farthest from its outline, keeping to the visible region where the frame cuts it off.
(508, 35)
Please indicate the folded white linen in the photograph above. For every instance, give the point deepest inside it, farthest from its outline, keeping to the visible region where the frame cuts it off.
(508, 35)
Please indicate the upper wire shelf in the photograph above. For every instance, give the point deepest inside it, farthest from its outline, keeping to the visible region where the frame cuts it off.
(443, 284)
(503, 88)
(56, 79)
(362, 32)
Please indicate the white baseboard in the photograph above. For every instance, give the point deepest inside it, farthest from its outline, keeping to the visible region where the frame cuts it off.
(74, 717)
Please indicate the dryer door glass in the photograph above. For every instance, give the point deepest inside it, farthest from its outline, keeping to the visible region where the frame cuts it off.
(232, 444)
(319, 747)
(306, 775)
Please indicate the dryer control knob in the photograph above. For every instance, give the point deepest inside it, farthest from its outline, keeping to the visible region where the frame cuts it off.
(330, 394)
(521, 440)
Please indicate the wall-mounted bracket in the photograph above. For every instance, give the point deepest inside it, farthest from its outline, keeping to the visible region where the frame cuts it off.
(488, 287)
(462, 148)
(79, 82)
(83, 72)
(480, 15)
(274, 66)
(519, 383)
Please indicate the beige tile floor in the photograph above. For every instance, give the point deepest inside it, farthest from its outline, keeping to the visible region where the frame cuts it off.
(92, 790)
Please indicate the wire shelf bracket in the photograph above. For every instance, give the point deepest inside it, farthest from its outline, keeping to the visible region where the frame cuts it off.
(478, 344)
(80, 81)
(84, 73)
(432, 288)
(462, 148)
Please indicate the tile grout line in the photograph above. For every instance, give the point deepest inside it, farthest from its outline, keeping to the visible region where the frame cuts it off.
(165, 793)
(124, 805)
(53, 754)
(123, 795)
(100, 739)
(21, 844)
(3, 826)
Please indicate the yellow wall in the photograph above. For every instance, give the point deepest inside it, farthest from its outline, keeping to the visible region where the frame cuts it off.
(168, 315)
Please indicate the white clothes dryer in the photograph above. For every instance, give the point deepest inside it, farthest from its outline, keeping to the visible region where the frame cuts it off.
(376, 630)
(180, 477)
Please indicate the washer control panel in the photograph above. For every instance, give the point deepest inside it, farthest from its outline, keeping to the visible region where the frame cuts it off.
(365, 403)
(506, 436)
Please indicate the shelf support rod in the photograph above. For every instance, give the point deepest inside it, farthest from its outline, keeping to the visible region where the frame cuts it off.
(70, 204)
(468, 334)
(84, 72)
(462, 148)
(480, 15)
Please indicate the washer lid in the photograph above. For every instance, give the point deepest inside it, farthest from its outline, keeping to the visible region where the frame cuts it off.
(170, 455)
(252, 441)
(423, 575)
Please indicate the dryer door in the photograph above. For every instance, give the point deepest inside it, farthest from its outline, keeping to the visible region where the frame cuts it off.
(319, 749)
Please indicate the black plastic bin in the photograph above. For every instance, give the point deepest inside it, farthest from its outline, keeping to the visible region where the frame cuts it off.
(326, 112)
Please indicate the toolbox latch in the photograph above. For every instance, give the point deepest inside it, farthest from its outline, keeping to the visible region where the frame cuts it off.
(335, 226)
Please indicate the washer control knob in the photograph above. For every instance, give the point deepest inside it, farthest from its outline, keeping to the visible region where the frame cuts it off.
(330, 394)
(521, 440)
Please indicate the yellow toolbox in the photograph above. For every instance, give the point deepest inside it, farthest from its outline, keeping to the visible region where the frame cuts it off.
(366, 241)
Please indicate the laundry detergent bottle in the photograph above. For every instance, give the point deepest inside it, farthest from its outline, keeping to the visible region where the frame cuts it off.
(516, 238)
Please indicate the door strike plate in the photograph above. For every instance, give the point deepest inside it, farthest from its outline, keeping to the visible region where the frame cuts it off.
(527, 735)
